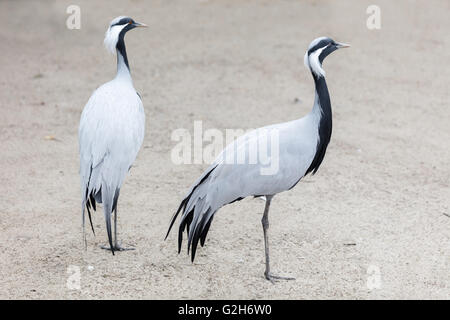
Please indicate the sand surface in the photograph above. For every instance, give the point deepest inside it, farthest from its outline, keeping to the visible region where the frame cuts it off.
(378, 203)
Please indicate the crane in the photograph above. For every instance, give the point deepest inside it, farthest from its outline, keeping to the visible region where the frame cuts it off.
(299, 146)
(110, 135)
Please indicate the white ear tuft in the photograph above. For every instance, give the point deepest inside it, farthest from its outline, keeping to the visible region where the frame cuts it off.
(112, 34)
(314, 63)
(306, 60)
(111, 38)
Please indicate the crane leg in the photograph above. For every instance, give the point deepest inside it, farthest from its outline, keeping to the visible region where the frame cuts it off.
(117, 246)
(265, 223)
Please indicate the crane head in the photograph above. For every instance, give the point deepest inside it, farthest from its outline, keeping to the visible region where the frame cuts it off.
(317, 51)
(117, 28)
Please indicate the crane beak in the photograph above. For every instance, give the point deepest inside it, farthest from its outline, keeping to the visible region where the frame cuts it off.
(137, 24)
(342, 45)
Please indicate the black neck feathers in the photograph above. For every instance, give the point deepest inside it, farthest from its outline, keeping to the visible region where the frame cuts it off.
(325, 123)
(120, 46)
(122, 51)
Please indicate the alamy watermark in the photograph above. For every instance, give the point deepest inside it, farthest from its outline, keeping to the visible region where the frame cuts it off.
(74, 279)
(243, 147)
(373, 277)
(373, 22)
(73, 21)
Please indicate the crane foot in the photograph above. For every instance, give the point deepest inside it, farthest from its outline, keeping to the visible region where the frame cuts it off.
(117, 247)
(272, 278)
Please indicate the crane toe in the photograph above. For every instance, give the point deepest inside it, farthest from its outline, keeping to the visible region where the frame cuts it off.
(117, 247)
(272, 278)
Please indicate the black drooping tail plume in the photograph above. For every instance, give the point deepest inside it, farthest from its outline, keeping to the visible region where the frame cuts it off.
(199, 232)
(197, 228)
(108, 204)
(97, 197)
(88, 203)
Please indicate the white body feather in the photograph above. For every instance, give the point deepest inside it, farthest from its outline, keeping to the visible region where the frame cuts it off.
(110, 134)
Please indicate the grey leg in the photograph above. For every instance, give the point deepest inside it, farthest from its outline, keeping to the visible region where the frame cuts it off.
(115, 228)
(117, 246)
(84, 230)
(265, 223)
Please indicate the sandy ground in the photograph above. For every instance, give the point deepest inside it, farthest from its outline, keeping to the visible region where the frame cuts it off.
(379, 201)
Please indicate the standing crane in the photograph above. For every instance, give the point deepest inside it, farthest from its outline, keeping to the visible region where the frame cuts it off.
(110, 134)
(301, 148)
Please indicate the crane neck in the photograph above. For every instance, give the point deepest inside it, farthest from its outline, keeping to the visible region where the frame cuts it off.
(123, 69)
(322, 115)
(322, 98)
